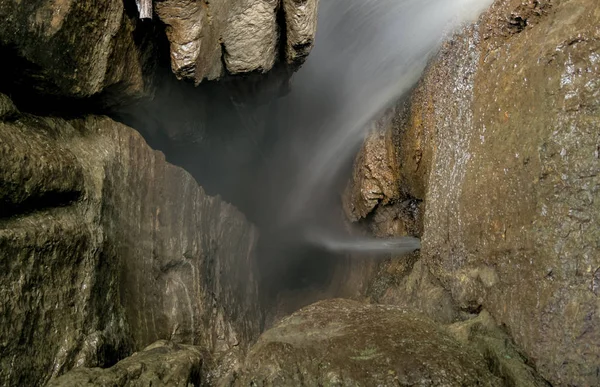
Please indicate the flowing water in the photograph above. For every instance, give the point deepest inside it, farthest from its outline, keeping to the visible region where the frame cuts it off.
(368, 53)
(284, 163)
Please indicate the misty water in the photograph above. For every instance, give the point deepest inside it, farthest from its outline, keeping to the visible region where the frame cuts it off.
(367, 55)
(284, 158)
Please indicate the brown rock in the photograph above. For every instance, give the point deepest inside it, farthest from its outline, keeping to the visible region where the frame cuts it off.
(106, 248)
(301, 27)
(160, 364)
(500, 139)
(238, 36)
(75, 49)
(345, 343)
(375, 178)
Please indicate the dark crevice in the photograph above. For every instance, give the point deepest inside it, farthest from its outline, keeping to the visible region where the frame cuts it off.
(48, 200)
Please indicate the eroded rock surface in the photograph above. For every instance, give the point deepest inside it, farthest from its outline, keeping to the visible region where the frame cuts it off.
(106, 248)
(236, 36)
(345, 343)
(500, 139)
(160, 364)
(75, 49)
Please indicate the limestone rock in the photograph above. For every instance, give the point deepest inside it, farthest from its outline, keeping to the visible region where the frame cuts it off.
(510, 221)
(195, 44)
(160, 364)
(483, 333)
(106, 248)
(375, 177)
(500, 140)
(301, 27)
(208, 39)
(251, 36)
(345, 343)
(75, 49)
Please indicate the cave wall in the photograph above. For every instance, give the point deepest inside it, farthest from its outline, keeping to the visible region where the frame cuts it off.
(500, 141)
(106, 248)
(76, 49)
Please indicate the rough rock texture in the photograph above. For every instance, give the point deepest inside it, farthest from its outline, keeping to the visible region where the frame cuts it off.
(237, 36)
(160, 364)
(500, 139)
(345, 343)
(75, 49)
(301, 27)
(375, 178)
(503, 358)
(105, 248)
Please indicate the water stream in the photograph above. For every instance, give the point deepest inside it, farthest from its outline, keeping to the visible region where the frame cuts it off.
(367, 54)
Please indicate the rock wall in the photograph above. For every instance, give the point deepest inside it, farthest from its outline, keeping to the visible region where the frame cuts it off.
(79, 49)
(160, 364)
(76, 49)
(500, 140)
(105, 248)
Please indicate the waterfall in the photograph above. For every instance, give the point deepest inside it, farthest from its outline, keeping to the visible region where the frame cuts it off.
(367, 54)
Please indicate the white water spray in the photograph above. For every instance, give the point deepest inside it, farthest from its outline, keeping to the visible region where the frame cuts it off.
(368, 53)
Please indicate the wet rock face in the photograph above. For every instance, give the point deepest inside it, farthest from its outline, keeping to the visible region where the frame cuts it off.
(76, 49)
(346, 343)
(160, 364)
(208, 39)
(500, 139)
(106, 248)
(79, 49)
(375, 178)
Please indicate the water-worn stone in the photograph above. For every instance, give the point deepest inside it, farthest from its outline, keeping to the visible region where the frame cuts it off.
(375, 178)
(500, 139)
(502, 356)
(345, 343)
(106, 248)
(75, 49)
(238, 36)
(160, 364)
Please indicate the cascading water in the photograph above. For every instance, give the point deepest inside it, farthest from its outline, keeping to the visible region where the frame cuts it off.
(367, 54)
(283, 162)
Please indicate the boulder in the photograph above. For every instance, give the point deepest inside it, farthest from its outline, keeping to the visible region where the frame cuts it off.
(160, 364)
(76, 49)
(345, 343)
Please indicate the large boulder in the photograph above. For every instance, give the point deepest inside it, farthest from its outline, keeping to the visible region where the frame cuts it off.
(160, 364)
(106, 248)
(345, 343)
(500, 140)
(75, 49)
